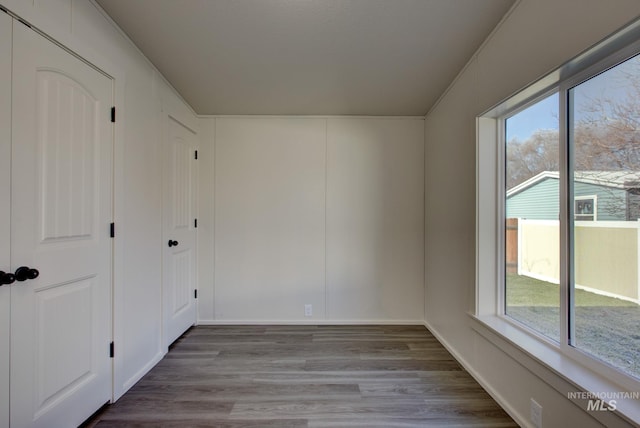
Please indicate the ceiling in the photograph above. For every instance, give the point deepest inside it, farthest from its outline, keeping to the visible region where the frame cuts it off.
(308, 57)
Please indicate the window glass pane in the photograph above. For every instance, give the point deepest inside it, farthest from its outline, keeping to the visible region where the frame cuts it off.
(605, 145)
(532, 262)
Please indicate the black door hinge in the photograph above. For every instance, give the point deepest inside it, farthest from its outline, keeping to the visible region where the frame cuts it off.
(112, 230)
(196, 155)
(111, 350)
(113, 114)
(195, 223)
(195, 293)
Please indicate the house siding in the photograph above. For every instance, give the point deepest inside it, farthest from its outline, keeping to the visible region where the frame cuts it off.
(538, 202)
(541, 201)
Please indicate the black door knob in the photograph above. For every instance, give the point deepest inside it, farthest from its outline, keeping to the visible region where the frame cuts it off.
(6, 278)
(173, 243)
(23, 273)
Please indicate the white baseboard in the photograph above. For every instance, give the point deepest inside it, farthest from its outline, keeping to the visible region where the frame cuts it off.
(139, 374)
(515, 415)
(310, 322)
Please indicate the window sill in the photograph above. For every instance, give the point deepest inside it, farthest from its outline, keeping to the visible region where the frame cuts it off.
(559, 371)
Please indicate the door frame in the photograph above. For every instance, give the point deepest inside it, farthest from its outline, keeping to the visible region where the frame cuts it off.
(6, 46)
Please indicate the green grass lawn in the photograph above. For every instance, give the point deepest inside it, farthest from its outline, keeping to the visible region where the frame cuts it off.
(605, 327)
(525, 291)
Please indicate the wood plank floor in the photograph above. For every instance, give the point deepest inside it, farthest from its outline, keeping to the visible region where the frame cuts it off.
(306, 376)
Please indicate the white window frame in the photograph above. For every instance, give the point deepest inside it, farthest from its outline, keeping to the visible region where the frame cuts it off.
(560, 359)
(594, 198)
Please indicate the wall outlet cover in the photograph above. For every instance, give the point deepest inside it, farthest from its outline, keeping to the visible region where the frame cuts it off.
(536, 414)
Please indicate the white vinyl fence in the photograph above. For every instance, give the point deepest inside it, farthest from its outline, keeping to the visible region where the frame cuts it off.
(606, 255)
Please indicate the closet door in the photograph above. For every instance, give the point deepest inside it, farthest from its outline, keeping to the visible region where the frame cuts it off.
(179, 184)
(61, 211)
(5, 210)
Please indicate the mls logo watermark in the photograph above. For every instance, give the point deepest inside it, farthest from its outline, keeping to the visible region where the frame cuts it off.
(596, 405)
(603, 401)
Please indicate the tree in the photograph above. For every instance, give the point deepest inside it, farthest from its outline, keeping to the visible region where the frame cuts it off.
(606, 133)
(526, 159)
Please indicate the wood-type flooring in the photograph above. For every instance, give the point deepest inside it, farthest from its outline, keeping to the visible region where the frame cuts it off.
(305, 376)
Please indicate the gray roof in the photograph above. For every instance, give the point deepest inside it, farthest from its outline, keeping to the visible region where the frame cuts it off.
(613, 179)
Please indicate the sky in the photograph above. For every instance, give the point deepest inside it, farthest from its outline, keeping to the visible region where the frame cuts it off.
(611, 84)
(542, 115)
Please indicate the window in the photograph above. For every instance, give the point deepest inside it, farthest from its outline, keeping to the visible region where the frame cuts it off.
(532, 206)
(558, 217)
(604, 153)
(584, 208)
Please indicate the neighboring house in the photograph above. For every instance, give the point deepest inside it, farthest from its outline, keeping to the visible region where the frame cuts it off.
(599, 195)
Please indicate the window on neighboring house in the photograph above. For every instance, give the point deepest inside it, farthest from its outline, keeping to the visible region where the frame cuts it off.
(584, 208)
(567, 238)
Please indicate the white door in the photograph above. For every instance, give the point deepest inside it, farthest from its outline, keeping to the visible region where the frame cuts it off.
(60, 215)
(179, 192)
(5, 211)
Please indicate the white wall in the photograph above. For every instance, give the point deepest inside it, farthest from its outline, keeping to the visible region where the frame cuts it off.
(140, 94)
(269, 218)
(375, 239)
(538, 36)
(320, 211)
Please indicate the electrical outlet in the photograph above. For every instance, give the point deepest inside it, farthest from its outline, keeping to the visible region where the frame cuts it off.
(308, 310)
(536, 414)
